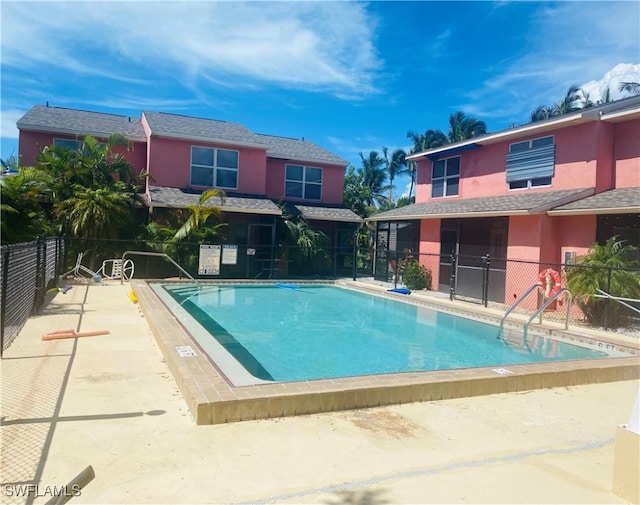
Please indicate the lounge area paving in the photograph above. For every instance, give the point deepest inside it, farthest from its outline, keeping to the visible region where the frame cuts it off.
(109, 401)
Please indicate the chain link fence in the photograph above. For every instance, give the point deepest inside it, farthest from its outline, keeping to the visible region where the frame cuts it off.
(27, 271)
(601, 297)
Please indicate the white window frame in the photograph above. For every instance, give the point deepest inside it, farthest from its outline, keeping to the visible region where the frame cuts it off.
(59, 142)
(303, 182)
(214, 168)
(530, 183)
(530, 143)
(446, 178)
(535, 182)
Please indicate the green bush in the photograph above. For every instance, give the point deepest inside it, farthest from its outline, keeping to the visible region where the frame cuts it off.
(416, 276)
(611, 268)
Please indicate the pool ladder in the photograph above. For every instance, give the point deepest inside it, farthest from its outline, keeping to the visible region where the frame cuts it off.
(537, 313)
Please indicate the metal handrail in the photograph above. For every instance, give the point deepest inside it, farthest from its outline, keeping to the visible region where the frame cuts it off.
(618, 299)
(166, 256)
(544, 306)
(512, 308)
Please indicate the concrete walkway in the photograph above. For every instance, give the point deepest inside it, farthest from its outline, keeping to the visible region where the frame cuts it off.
(110, 402)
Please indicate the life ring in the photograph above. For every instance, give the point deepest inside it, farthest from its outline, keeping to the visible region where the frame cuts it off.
(550, 281)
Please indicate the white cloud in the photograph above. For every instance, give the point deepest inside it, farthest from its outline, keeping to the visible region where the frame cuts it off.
(8, 128)
(567, 43)
(624, 72)
(310, 45)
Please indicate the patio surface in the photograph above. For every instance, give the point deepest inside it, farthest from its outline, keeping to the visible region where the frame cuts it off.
(110, 401)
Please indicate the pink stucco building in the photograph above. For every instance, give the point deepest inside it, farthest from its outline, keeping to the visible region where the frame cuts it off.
(543, 192)
(260, 174)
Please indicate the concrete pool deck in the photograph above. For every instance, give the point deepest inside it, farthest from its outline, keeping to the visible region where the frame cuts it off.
(110, 401)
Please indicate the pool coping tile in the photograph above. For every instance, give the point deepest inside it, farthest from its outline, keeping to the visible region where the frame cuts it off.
(212, 399)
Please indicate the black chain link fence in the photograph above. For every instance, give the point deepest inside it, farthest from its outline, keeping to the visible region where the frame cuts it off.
(598, 296)
(27, 271)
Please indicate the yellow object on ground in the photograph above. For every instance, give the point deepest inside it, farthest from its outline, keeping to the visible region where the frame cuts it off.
(133, 297)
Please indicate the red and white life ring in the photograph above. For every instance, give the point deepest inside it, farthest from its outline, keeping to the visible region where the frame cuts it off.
(550, 281)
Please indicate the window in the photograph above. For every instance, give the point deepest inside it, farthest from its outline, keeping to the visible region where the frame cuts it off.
(74, 145)
(303, 182)
(531, 163)
(445, 177)
(214, 167)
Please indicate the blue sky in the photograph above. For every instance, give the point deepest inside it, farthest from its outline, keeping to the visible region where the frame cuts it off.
(349, 76)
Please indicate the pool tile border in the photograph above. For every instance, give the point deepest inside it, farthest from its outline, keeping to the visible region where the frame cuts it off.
(212, 399)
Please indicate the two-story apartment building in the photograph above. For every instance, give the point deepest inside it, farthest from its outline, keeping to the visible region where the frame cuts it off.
(183, 156)
(542, 192)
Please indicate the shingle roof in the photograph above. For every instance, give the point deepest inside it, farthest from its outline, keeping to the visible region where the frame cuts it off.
(614, 201)
(301, 150)
(100, 124)
(328, 214)
(180, 198)
(174, 125)
(609, 111)
(80, 122)
(508, 205)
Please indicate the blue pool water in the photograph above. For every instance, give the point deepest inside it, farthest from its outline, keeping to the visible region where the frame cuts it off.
(325, 331)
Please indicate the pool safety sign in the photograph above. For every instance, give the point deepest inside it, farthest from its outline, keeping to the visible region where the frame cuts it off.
(229, 254)
(209, 263)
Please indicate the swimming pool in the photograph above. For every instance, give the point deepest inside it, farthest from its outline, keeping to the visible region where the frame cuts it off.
(218, 389)
(321, 331)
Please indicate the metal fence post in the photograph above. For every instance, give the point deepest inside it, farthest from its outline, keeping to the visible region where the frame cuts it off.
(607, 300)
(39, 277)
(5, 275)
(452, 278)
(486, 262)
(355, 254)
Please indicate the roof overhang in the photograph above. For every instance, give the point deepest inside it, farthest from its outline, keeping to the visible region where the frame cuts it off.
(614, 201)
(497, 206)
(621, 116)
(176, 198)
(332, 214)
(522, 131)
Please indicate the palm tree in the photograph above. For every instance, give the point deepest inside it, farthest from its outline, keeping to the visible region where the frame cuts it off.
(88, 183)
(395, 166)
(422, 142)
(570, 103)
(374, 178)
(95, 212)
(541, 113)
(574, 99)
(611, 267)
(633, 88)
(195, 225)
(462, 127)
(22, 217)
(356, 196)
(606, 95)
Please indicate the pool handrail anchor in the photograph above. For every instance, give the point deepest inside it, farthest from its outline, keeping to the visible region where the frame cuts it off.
(538, 313)
(163, 255)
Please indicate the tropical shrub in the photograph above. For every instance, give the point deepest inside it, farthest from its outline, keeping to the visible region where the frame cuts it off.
(414, 275)
(611, 267)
